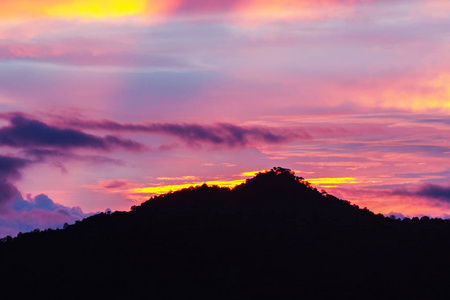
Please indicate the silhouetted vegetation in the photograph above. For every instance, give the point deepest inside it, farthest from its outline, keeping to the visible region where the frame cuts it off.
(273, 237)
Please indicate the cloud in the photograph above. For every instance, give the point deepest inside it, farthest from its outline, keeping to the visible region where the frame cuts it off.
(433, 120)
(115, 8)
(233, 5)
(156, 10)
(31, 134)
(435, 191)
(396, 215)
(221, 134)
(39, 212)
(120, 187)
(114, 184)
(24, 132)
(18, 214)
(81, 8)
(7, 192)
(56, 157)
(207, 6)
(62, 52)
(428, 190)
(10, 166)
(43, 202)
(9, 171)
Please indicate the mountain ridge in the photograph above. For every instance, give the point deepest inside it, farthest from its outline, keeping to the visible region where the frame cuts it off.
(272, 236)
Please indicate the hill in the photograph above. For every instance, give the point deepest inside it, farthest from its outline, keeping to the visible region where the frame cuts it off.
(273, 237)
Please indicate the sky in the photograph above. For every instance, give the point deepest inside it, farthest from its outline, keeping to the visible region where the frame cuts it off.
(104, 104)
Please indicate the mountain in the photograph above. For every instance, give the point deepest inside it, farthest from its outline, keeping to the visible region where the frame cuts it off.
(273, 237)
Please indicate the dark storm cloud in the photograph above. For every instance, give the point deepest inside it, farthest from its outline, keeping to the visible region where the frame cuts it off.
(25, 132)
(219, 134)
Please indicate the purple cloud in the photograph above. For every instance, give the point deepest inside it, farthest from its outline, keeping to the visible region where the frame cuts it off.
(10, 166)
(43, 202)
(25, 132)
(9, 171)
(428, 190)
(7, 192)
(221, 134)
(56, 156)
(113, 184)
(18, 214)
(41, 212)
(435, 191)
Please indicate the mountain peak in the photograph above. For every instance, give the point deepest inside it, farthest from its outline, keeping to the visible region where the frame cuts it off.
(273, 236)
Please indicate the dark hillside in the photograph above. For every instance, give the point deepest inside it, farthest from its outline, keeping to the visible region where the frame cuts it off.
(274, 237)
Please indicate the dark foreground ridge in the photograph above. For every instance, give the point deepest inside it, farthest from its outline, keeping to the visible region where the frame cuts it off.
(274, 237)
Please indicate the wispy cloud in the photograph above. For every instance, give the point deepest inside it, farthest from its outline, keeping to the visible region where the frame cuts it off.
(221, 134)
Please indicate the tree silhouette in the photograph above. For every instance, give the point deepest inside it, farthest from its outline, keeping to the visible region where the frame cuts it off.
(272, 237)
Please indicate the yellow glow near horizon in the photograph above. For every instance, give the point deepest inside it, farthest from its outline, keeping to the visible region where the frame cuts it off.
(168, 188)
(252, 173)
(331, 182)
(164, 189)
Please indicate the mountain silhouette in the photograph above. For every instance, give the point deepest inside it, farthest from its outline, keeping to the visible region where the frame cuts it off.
(273, 237)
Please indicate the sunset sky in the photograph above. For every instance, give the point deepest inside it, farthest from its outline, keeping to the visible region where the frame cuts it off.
(106, 103)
